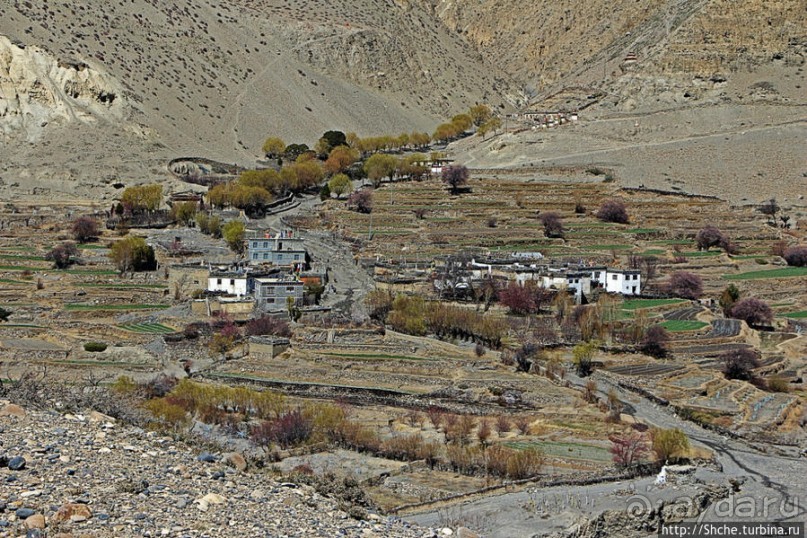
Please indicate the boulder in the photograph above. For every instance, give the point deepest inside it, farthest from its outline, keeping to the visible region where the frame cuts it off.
(36, 521)
(236, 460)
(74, 512)
(12, 410)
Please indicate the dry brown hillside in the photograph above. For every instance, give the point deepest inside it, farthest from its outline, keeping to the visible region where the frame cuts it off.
(216, 77)
(96, 92)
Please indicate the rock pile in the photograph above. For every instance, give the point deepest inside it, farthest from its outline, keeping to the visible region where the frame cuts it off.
(66, 475)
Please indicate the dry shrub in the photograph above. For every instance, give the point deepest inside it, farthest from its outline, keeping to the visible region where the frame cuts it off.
(357, 437)
(590, 391)
(221, 343)
(290, 429)
(124, 385)
(522, 424)
(525, 463)
(166, 412)
(465, 459)
(410, 448)
(667, 444)
(502, 424)
(462, 429)
(484, 432)
(328, 420)
(514, 464)
(414, 419)
(778, 384)
(159, 386)
(436, 416)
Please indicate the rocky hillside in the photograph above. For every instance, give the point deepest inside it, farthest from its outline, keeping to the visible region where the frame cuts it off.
(67, 475)
(549, 44)
(215, 78)
(219, 76)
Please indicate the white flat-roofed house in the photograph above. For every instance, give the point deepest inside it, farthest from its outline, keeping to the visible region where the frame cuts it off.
(229, 283)
(625, 282)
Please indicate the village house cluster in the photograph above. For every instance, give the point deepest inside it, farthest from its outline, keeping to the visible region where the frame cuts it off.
(275, 276)
(579, 280)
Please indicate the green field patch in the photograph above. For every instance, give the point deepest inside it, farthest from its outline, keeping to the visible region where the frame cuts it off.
(785, 272)
(13, 257)
(21, 325)
(577, 225)
(652, 252)
(643, 230)
(146, 328)
(9, 281)
(671, 242)
(92, 246)
(801, 314)
(576, 451)
(702, 253)
(635, 304)
(609, 247)
(79, 307)
(681, 325)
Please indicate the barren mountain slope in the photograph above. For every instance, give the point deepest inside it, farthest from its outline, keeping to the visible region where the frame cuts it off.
(216, 77)
(705, 96)
(570, 42)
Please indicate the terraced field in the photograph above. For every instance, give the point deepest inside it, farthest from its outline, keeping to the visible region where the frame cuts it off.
(566, 450)
(635, 304)
(724, 328)
(710, 350)
(502, 215)
(683, 314)
(683, 325)
(146, 328)
(785, 272)
(78, 307)
(652, 369)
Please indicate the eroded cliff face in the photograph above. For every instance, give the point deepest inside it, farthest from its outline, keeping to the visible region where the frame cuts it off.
(38, 91)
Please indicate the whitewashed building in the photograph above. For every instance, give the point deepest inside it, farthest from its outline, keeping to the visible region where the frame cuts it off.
(625, 282)
(228, 283)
